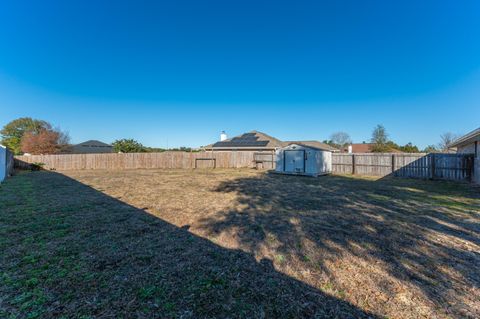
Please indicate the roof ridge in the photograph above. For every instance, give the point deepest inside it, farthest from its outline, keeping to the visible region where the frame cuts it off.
(90, 141)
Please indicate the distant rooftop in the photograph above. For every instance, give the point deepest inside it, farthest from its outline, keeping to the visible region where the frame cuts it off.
(93, 143)
(92, 146)
(253, 139)
(262, 141)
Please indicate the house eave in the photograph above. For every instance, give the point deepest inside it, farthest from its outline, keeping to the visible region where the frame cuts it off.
(467, 138)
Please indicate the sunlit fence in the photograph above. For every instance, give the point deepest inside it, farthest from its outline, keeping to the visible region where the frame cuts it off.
(413, 165)
(185, 160)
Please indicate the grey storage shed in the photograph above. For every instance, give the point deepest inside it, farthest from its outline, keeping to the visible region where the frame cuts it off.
(299, 159)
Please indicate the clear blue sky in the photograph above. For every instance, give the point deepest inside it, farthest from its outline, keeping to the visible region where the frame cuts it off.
(182, 71)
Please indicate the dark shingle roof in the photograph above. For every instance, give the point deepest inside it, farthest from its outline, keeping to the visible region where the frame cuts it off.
(92, 146)
(93, 143)
(253, 139)
(259, 140)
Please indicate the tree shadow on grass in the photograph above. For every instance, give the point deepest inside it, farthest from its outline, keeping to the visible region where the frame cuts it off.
(69, 250)
(402, 234)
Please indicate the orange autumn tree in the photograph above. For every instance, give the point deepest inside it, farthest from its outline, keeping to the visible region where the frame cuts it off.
(46, 141)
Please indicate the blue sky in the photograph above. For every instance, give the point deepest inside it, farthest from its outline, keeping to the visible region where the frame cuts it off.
(178, 72)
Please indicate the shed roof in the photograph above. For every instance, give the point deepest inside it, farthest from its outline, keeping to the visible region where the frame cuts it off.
(467, 138)
(313, 144)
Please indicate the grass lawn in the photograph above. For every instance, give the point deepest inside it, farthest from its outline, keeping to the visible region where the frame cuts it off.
(236, 244)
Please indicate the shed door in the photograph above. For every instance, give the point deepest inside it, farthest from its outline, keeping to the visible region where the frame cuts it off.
(294, 161)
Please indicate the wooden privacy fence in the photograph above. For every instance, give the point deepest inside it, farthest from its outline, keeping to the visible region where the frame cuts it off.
(220, 159)
(10, 162)
(413, 165)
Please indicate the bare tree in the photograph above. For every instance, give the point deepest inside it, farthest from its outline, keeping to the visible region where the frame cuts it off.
(340, 138)
(445, 140)
(63, 141)
(379, 139)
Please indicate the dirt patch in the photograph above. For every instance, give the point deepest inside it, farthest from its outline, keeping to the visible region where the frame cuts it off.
(237, 243)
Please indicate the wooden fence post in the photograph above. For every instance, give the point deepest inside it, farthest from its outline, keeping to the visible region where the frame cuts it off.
(393, 164)
(273, 163)
(433, 165)
(191, 158)
(470, 164)
(353, 164)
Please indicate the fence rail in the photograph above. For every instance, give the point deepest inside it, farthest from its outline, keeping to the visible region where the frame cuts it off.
(220, 159)
(414, 165)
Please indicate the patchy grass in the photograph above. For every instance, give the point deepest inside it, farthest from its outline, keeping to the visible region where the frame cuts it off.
(237, 244)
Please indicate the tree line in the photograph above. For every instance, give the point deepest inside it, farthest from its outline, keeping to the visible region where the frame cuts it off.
(128, 145)
(381, 142)
(28, 135)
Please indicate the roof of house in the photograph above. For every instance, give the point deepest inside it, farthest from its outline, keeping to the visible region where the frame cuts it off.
(467, 138)
(259, 140)
(362, 147)
(92, 146)
(253, 139)
(366, 148)
(312, 144)
(93, 143)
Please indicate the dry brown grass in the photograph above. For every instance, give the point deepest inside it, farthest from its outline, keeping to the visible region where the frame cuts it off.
(237, 243)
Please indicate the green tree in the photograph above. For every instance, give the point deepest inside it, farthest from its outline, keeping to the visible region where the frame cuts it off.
(380, 139)
(409, 148)
(430, 149)
(128, 146)
(13, 132)
(154, 149)
(391, 145)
